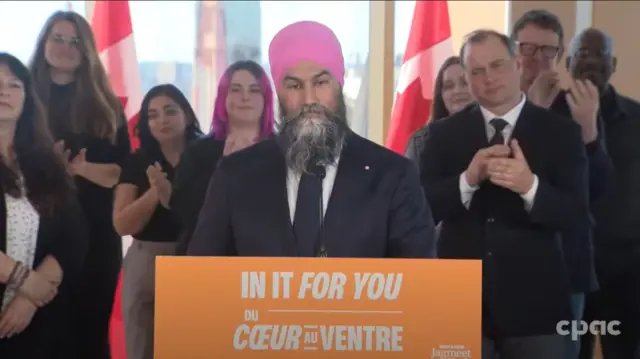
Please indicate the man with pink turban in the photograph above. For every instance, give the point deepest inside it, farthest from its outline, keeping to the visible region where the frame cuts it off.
(316, 188)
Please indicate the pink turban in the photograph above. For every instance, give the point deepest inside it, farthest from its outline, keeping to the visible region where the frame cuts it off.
(305, 41)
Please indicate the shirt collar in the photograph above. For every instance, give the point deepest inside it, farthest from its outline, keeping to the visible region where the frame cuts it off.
(511, 117)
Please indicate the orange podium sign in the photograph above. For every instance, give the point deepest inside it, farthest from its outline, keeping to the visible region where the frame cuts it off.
(280, 308)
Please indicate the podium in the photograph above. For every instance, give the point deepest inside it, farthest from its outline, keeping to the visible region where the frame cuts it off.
(259, 308)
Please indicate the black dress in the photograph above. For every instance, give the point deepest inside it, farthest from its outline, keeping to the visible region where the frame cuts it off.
(96, 293)
(63, 235)
(190, 184)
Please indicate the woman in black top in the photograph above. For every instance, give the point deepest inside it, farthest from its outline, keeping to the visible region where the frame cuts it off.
(450, 95)
(141, 209)
(87, 121)
(243, 114)
(44, 238)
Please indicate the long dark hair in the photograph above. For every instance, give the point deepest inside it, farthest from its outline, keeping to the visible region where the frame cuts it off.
(220, 123)
(95, 109)
(45, 177)
(438, 109)
(147, 142)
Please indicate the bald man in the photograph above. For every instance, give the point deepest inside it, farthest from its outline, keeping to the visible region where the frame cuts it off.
(591, 58)
(317, 189)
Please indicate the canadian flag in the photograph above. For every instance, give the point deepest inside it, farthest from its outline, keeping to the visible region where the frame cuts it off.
(429, 45)
(113, 30)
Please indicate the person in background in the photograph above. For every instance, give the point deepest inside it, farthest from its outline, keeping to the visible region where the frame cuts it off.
(506, 178)
(141, 208)
(270, 199)
(86, 119)
(243, 115)
(450, 95)
(591, 57)
(540, 42)
(44, 236)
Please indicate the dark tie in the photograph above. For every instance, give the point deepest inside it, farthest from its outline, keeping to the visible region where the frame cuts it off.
(499, 125)
(307, 221)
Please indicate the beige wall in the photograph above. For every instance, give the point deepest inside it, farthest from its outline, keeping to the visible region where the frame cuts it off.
(464, 18)
(620, 20)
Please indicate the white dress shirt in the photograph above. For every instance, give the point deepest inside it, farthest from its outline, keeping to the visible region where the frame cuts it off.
(511, 117)
(22, 225)
(293, 182)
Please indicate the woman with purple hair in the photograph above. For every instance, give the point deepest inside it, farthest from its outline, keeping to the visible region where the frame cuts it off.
(243, 115)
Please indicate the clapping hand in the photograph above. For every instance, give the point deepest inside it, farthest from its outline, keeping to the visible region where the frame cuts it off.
(78, 164)
(159, 183)
(17, 316)
(584, 102)
(511, 173)
(237, 143)
(545, 88)
(477, 170)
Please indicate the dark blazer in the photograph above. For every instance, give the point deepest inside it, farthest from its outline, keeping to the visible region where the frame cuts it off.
(600, 165)
(581, 261)
(64, 235)
(190, 184)
(615, 212)
(525, 281)
(414, 147)
(376, 209)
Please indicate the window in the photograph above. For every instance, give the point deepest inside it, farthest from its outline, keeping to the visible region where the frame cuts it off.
(194, 57)
(21, 22)
(209, 35)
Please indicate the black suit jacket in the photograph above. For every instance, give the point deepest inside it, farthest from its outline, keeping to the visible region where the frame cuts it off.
(525, 281)
(189, 186)
(376, 209)
(62, 234)
(581, 261)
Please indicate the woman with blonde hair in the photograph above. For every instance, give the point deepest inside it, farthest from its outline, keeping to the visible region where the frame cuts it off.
(87, 122)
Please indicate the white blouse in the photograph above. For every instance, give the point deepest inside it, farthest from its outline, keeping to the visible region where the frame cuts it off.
(23, 222)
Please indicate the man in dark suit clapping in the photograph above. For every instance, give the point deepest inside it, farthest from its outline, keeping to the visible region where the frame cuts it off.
(317, 188)
(506, 178)
(539, 37)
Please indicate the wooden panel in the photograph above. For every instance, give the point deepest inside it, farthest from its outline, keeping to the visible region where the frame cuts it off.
(381, 68)
(620, 20)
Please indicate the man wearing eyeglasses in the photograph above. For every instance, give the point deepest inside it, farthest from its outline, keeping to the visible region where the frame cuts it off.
(540, 37)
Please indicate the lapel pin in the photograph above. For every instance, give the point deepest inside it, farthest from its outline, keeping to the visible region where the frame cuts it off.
(366, 168)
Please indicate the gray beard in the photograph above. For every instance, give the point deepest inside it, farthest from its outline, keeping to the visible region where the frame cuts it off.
(313, 136)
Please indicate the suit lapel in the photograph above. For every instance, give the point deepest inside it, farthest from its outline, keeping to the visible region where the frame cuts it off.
(477, 130)
(348, 190)
(275, 190)
(523, 129)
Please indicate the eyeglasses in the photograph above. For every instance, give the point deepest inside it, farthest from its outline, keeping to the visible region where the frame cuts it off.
(548, 51)
(61, 39)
